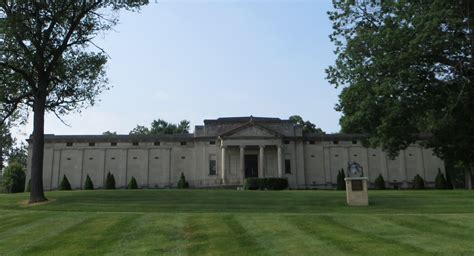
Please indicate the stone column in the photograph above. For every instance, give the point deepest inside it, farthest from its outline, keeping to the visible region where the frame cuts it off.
(280, 168)
(261, 162)
(242, 161)
(223, 165)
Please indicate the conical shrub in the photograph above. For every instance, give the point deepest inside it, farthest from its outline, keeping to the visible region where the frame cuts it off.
(132, 184)
(418, 182)
(341, 183)
(379, 182)
(110, 181)
(440, 181)
(65, 185)
(88, 185)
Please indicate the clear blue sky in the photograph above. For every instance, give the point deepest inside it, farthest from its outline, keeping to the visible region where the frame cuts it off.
(207, 59)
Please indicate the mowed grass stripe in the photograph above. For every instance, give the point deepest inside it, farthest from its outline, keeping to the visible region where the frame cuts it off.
(349, 240)
(94, 235)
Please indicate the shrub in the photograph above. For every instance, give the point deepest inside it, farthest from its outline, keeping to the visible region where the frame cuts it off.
(440, 181)
(133, 183)
(182, 183)
(379, 182)
(110, 181)
(341, 183)
(65, 185)
(88, 184)
(13, 180)
(28, 186)
(418, 182)
(265, 183)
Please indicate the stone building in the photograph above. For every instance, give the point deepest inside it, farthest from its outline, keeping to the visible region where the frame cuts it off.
(223, 152)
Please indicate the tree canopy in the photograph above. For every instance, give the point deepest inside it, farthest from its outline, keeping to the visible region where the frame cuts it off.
(406, 69)
(307, 126)
(49, 62)
(160, 126)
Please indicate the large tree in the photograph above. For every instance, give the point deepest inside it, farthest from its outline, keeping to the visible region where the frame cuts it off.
(48, 63)
(160, 126)
(6, 143)
(406, 69)
(307, 126)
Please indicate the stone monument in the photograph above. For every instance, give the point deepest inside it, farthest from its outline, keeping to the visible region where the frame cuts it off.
(356, 186)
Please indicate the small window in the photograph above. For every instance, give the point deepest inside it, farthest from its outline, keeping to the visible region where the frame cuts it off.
(336, 155)
(183, 143)
(355, 155)
(212, 165)
(135, 157)
(91, 144)
(113, 158)
(212, 142)
(183, 157)
(69, 159)
(113, 144)
(135, 143)
(311, 142)
(157, 157)
(354, 142)
(287, 166)
(374, 155)
(335, 142)
(156, 143)
(410, 154)
(313, 156)
(287, 142)
(91, 158)
(69, 144)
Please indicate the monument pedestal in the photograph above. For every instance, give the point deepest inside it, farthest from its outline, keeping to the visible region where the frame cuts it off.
(356, 191)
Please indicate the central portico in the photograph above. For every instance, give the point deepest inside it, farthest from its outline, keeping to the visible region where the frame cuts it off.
(253, 142)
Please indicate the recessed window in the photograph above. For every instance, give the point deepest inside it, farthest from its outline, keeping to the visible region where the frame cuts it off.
(91, 158)
(286, 142)
(410, 154)
(68, 144)
(287, 166)
(157, 143)
(354, 142)
(113, 144)
(183, 143)
(135, 157)
(212, 142)
(313, 156)
(374, 155)
(355, 155)
(212, 165)
(336, 155)
(157, 157)
(91, 144)
(113, 158)
(135, 143)
(311, 142)
(69, 159)
(183, 157)
(335, 142)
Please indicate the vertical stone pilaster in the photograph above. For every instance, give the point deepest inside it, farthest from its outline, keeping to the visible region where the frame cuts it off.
(261, 164)
(223, 165)
(280, 167)
(242, 161)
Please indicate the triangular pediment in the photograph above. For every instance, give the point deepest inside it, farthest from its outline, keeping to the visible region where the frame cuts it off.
(251, 130)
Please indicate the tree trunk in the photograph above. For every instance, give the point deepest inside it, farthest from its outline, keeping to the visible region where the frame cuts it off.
(37, 192)
(468, 176)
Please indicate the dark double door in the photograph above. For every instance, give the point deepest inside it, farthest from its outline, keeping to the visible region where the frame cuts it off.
(251, 166)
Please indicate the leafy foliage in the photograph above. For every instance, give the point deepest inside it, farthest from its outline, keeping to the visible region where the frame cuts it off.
(110, 181)
(13, 179)
(405, 69)
(109, 133)
(379, 182)
(307, 126)
(440, 181)
(160, 126)
(132, 184)
(265, 183)
(182, 183)
(65, 185)
(341, 183)
(6, 142)
(418, 182)
(88, 184)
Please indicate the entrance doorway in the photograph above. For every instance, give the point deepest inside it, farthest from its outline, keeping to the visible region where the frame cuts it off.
(251, 166)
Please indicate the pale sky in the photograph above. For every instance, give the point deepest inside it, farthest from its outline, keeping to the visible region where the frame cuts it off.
(203, 59)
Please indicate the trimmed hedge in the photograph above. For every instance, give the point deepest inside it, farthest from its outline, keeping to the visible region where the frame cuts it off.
(341, 183)
(110, 181)
(65, 185)
(182, 183)
(133, 184)
(265, 183)
(88, 184)
(379, 182)
(418, 182)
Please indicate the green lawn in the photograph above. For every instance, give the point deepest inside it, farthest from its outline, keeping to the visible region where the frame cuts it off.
(227, 222)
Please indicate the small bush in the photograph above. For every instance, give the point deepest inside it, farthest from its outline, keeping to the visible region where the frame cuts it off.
(440, 181)
(65, 185)
(13, 180)
(341, 183)
(379, 182)
(182, 183)
(88, 184)
(418, 182)
(265, 183)
(110, 181)
(132, 184)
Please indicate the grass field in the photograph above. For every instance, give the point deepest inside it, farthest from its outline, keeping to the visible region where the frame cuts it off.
(226, 222)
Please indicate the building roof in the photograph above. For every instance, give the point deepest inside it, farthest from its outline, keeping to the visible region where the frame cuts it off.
(245, 119)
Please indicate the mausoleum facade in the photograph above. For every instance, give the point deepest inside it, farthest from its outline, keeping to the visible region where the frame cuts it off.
(225, 151)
